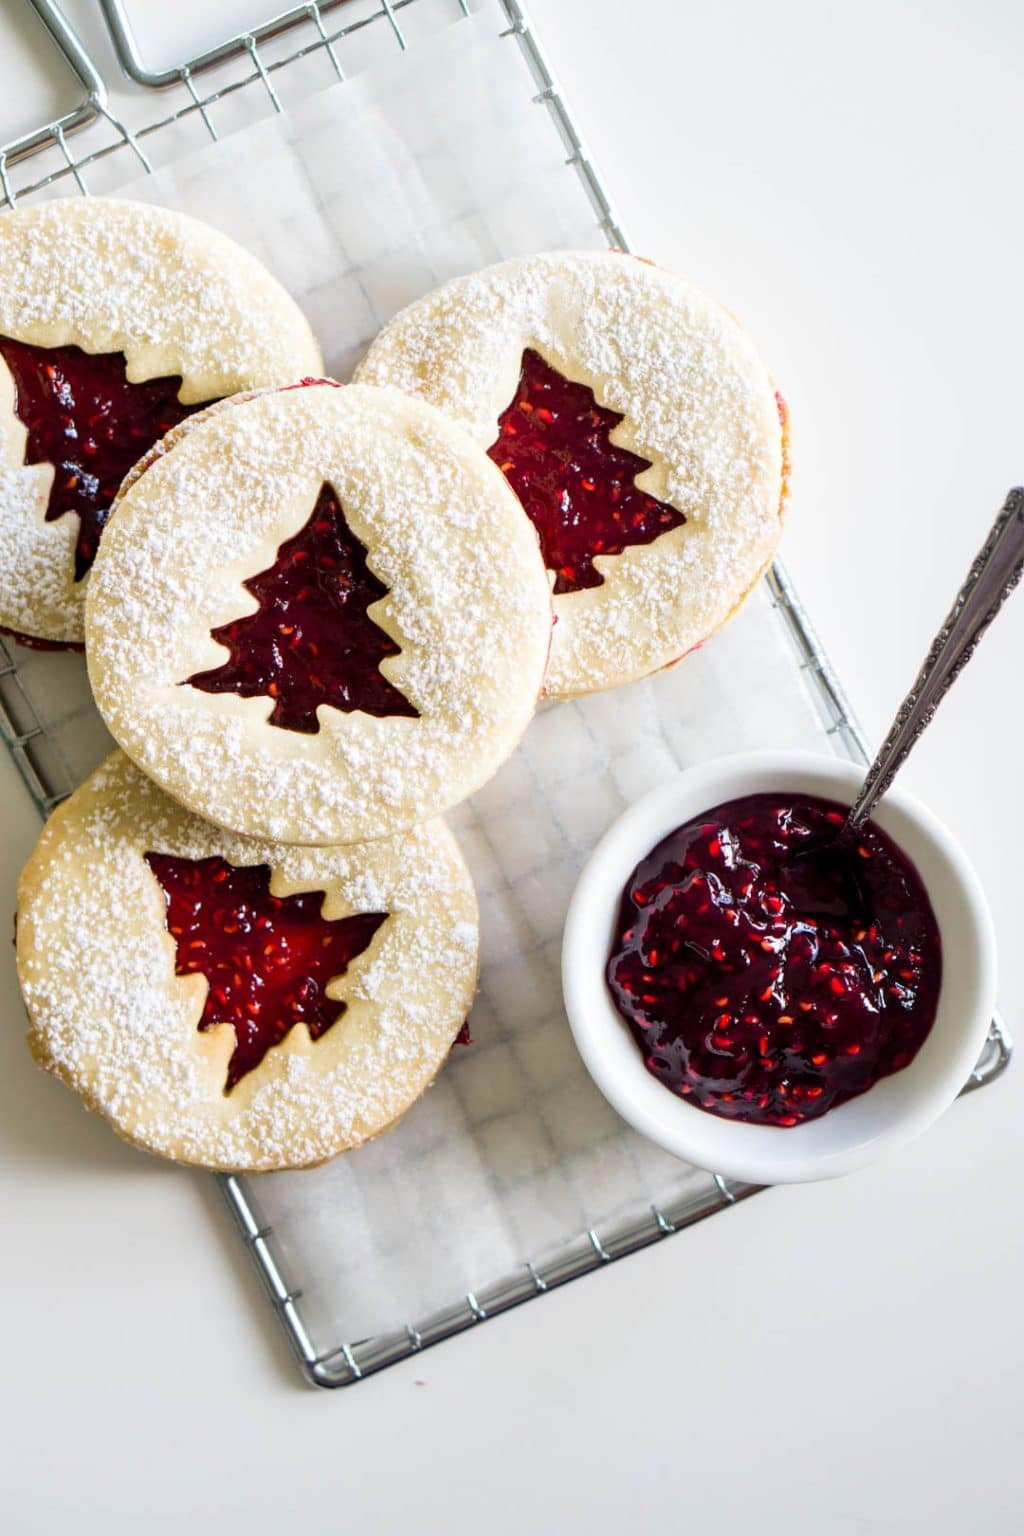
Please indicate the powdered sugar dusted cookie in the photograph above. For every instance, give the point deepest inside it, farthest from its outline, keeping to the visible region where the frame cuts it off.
(638, 427)
(233, 1003)
(116, 320)
(319, 616)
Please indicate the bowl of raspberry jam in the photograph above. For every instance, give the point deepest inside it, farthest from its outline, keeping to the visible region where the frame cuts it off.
(767, 1000)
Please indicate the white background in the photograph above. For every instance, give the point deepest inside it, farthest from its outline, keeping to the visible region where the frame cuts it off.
(843, 1358)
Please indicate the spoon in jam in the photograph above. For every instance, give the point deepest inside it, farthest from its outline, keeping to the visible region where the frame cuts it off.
(822, 877)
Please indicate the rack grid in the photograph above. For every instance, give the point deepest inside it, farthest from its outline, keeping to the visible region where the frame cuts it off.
(255, 60)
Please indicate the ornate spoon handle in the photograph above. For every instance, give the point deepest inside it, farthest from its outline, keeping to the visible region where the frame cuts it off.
(992, 577)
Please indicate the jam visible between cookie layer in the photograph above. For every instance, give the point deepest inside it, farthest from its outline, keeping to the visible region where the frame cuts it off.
(268, 959)
(311, 640)
(750, 995)
(575, 485)
(83, 416)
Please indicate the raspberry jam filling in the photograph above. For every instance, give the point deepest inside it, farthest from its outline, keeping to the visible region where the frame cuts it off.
(267, 958)
(83, 416)
(311, 640)
(745, 998)
(36, 643)
(576, 487)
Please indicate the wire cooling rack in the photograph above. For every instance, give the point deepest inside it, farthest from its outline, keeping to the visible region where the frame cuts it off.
(45, 717)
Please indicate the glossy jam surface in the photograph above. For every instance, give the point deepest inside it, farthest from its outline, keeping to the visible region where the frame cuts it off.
(83, 416)
(267, 958)
(576, 486)
(755, 993)
(311, 640)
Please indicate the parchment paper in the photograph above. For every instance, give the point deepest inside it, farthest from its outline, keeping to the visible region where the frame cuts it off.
(363, 197)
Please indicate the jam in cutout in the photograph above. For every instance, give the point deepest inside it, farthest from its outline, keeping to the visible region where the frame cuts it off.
(267, 958)
(753, 995)
(83, 416)
(576, 487)
(311, 640)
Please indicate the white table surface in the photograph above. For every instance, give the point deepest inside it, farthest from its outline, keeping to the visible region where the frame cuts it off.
(842, 1358)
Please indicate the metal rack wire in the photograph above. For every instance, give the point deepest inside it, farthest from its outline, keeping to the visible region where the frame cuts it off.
(311, 30)
(255, 59)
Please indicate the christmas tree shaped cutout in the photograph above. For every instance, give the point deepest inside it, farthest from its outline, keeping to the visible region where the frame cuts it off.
(576, 486)
(311, 640)
(267, 959)
(83, 417)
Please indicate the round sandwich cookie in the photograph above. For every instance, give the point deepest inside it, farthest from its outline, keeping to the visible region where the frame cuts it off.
(638, 427)
(117, 320)
(319, 616)
(237, 1004)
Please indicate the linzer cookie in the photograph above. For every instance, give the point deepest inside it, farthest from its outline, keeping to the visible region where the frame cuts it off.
(117, 320)
(319, 616)
(233, 1003)
(639, 429)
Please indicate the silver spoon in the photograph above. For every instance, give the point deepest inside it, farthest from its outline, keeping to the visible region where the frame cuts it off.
(993, 575)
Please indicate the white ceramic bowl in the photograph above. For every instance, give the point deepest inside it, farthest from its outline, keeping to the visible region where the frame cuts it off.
(897, 1107)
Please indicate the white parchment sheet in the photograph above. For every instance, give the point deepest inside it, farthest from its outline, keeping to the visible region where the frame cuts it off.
(360, 199)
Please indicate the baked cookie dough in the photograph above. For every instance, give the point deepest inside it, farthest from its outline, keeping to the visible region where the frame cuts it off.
(232, 1003)
(638, 426)
(116, 320)
(319, 616)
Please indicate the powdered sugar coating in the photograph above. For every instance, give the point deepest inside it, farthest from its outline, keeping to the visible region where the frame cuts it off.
(696, 400)
(177, 298)
(430, 509)
(109, 1016)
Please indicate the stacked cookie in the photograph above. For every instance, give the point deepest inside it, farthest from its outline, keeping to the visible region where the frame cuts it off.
(316, 618)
